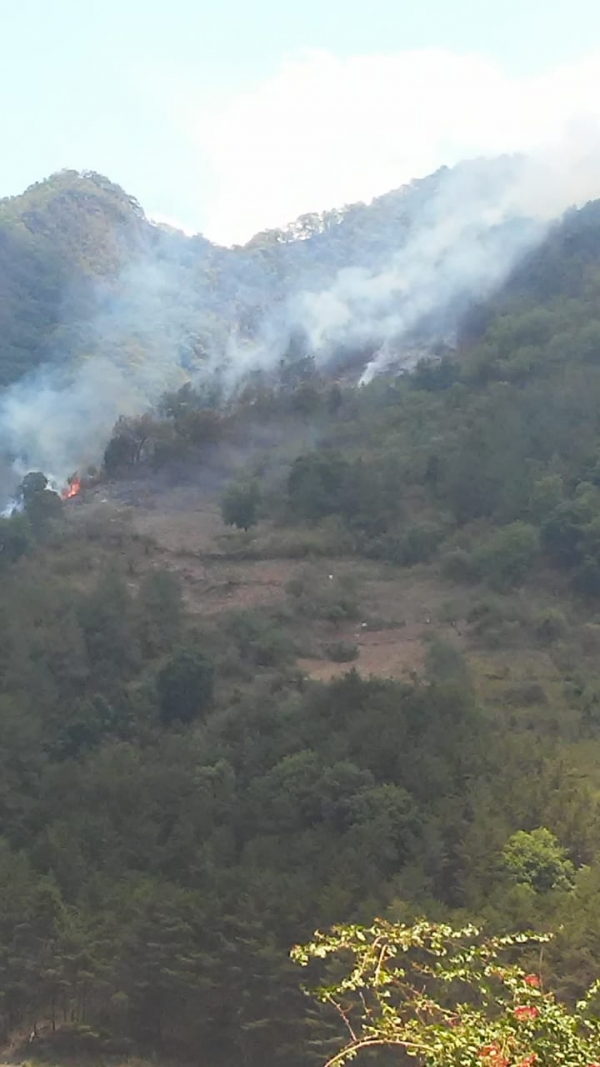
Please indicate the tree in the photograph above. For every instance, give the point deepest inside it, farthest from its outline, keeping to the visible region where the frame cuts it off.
(133, 441)
(15, 538)
(107, 620)
(240, 503)
(160, 611)
(185, 686)
(315, 483)
(508, 555)
(33, 483)
(445, 997)
(40, 503)
(538, 860)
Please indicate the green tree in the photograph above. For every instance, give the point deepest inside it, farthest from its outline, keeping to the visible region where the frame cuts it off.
(508, 555)
(160, 611)
(15, 538)
(185, 686)
(107, 617)
(315, 483)
(536, 858)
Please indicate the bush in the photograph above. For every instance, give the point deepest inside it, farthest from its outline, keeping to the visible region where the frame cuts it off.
(460, 566)
(329, 538)
(496, 620)
(420, 543)
(550, 625)
(319, 596)
(239, 506)
(526, 694)
(342, 652)
(444, 663)
(417, 544)
(315, 484)
(259, 641)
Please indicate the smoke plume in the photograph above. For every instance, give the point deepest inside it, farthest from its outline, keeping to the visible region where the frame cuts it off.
(395, 276)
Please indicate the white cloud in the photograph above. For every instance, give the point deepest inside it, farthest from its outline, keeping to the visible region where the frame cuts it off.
(327, 131)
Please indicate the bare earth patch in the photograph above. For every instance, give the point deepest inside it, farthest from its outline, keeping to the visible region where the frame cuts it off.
(180, 528)
(393, 653)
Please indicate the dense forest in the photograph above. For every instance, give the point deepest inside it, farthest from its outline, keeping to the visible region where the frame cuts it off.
(182, 799)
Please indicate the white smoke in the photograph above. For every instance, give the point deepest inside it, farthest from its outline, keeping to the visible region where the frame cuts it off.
(172, 316)
(60, 422)
(471, 233)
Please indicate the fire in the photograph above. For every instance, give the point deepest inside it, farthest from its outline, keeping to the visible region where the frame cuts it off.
(72, 488)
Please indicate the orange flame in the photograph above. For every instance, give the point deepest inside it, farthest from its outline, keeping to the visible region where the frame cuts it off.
(72, 488)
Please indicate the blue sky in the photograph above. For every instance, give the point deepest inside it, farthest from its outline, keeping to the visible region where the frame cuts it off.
(232, 115)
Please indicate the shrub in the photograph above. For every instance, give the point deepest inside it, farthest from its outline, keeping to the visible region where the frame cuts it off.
(329, 538)
(550, 625)
(260, 641)
(526, 694)
(420, 543)
(460, 565)
(444, 662)
(319, 596)
(315, 484)
(497, 620)
(342, 652)
(239, 506)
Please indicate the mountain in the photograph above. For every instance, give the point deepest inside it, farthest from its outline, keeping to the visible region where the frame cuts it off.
(55, 240)
(76, 249)
(102, 311)
(379, 695)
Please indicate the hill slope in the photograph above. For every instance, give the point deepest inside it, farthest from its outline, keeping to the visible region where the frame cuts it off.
(193, 774)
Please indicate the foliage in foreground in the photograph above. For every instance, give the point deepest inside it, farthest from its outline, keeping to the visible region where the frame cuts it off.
(449, 998)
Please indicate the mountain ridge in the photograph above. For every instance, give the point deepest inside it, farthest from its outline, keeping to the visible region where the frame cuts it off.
(102, 311)
(76, 231)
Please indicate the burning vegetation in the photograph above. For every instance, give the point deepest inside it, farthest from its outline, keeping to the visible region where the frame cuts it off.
(72, 488)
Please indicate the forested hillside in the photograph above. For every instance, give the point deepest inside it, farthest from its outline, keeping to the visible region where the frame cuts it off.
(84, 272)
(301, 653)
